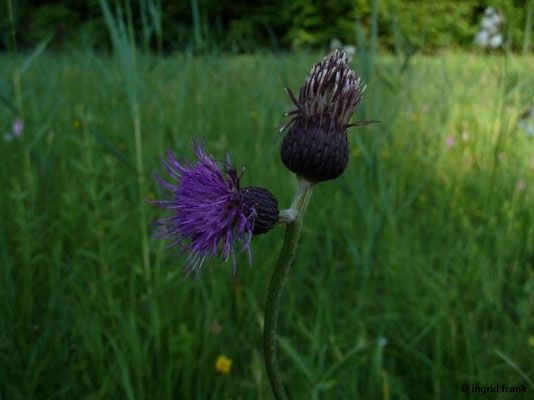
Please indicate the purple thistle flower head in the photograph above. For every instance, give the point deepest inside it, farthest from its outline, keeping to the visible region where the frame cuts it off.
(211, 212)
(316, 145)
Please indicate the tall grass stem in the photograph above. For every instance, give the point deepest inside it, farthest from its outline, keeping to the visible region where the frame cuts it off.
(141, 185)
(123, 39)
(528, 28)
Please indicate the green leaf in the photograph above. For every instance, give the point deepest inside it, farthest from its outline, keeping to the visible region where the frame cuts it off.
(36, 53)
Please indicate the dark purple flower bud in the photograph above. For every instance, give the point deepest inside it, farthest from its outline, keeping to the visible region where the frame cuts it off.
(316, 145)
(210, 212)
(266, 207)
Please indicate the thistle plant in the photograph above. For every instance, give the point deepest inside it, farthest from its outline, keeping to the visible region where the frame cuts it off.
(316, 149)
(212, 214)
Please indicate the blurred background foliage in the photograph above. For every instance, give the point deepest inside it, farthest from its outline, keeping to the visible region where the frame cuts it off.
(424, 282)
(244, 26)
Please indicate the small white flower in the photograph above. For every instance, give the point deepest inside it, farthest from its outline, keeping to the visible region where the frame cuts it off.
(496, 41)
(487, 24)
(489, 34)
(527, 127)
(526, 121)
(482, 38)
(335, 44)
(491, 23)
(498, 19)
(350, 50)
(489, 11)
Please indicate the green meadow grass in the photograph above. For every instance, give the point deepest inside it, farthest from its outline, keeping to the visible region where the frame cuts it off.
(414, 272)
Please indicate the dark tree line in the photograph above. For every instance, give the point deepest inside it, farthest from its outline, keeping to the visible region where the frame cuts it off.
(244, 25)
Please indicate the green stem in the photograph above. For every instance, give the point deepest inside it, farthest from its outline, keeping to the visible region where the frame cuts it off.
(274, 292)
(141, 187)
(11, 18)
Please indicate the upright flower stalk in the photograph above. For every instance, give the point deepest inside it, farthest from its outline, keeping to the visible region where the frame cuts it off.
(212, 214)
(272, 303)
(316, 149)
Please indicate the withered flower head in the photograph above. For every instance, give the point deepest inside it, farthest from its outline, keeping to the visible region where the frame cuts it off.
(316, 145)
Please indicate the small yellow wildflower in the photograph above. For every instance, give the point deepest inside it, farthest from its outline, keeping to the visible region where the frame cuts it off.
(76, 124)
(254, 115)
(223, 364)
(416, 117)
(531, 341)
(385, 154)
(356, 152)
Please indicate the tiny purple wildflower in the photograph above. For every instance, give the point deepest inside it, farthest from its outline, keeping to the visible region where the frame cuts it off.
(450, 141)
(18, 127)
(520, 185)
(211, 213)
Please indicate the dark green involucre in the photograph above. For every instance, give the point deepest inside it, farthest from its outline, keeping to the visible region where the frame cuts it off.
(265, 205)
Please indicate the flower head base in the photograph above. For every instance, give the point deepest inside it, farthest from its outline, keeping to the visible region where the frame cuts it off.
(265, 206)
(211, 212)
(316, 146)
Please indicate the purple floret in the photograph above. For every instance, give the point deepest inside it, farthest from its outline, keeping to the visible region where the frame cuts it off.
(210, 212)
(18, 127)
